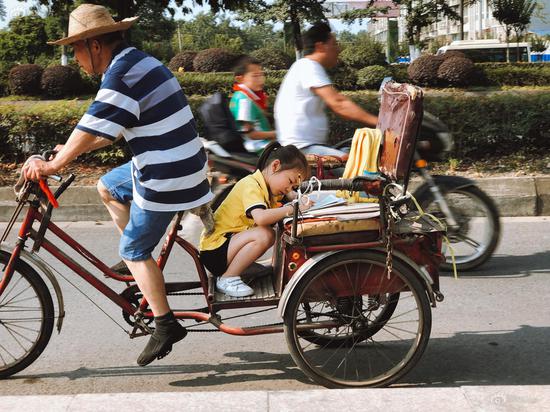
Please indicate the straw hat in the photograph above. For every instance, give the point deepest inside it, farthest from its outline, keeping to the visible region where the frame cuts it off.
(90, 20)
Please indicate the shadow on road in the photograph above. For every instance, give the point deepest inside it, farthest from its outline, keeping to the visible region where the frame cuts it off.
(508, 357)
(510, 266)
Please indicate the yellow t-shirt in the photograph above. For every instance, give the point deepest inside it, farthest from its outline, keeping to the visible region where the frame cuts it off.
(233, 215)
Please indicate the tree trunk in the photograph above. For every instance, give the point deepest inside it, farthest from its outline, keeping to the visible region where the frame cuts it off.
(517, 47)
(507, 44)
(461, 21)
(296, 33)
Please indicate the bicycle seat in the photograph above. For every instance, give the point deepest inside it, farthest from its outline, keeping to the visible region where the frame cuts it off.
(326, 161)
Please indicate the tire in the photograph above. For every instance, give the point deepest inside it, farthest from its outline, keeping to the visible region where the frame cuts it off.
(480, 212)
(21, 339)
(388, 307)
(379, 344)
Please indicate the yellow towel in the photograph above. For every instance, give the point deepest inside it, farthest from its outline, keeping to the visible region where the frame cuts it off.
(362, 160)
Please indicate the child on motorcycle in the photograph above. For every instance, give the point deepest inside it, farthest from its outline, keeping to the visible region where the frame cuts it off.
(243, 221)
(248, 104)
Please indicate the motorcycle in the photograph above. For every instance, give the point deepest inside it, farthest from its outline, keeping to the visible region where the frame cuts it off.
(471, 216)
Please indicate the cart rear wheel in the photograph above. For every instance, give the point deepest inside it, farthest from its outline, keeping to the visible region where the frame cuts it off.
(381, 307)
(26, 318)
(367, 329)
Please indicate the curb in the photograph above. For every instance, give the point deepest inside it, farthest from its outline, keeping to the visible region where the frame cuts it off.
(459, 399)
(514, 196)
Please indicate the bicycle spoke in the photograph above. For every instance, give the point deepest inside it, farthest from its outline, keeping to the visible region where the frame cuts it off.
(7, 292)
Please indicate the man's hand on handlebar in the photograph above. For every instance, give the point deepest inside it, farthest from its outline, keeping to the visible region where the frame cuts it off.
(36, 169)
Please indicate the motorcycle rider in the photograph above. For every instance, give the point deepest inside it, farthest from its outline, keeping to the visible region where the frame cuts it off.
(300, 116)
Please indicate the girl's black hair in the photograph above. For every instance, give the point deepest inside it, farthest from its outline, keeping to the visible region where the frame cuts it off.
(241, 66)
(289, 156)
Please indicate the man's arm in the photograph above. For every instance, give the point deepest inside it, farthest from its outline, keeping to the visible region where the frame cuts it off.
(79, 142)
(343, 106)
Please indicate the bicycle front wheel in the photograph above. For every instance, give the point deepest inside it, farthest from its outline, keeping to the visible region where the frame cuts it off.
(347, 324)
(26, 318)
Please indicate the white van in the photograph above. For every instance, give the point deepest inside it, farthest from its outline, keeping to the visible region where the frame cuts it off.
(491, 50)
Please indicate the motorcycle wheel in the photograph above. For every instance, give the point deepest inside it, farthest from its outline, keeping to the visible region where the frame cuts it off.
(476, 236)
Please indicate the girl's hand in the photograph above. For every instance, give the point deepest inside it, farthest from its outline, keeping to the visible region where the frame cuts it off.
(305, 203)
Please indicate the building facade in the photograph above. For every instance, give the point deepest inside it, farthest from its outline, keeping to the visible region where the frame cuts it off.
(479, 22)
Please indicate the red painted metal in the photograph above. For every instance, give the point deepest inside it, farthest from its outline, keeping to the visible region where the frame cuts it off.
(86, 254)
(88, 277)
(23, 234)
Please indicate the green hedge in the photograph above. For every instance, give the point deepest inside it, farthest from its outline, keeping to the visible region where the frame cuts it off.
(482, 124)
(345, 78)
(42, 126)
(495, 74)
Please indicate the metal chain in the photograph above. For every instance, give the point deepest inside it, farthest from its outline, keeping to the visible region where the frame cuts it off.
(389, 244)
(185, 294)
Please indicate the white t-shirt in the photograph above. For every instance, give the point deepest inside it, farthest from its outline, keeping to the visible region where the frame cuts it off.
(300, 117)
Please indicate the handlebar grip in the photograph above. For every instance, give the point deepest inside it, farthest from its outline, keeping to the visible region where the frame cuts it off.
(64, 186)
(46, 190)
(357, 184)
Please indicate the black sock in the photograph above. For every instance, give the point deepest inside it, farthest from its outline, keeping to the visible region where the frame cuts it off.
(166, 318)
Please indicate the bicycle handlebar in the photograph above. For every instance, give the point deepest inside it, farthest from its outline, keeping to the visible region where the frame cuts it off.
(367, 184)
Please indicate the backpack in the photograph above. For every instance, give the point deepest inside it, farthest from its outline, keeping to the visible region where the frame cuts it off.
(219, 123)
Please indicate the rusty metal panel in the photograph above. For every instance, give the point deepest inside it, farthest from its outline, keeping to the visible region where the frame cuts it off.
(399, 120)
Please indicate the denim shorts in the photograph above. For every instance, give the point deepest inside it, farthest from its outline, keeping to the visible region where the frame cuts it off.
(146, 227)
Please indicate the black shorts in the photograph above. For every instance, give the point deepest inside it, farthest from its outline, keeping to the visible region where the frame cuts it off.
(215, 260)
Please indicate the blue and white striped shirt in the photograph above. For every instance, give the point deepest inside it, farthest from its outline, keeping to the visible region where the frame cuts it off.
(141, 100)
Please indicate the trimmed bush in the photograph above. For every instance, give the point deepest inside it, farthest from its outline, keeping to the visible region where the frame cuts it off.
(344, 77)
(456, 70)
(399, 73)
(25, 79)
(204, 84)
(367, 53)
(518, 74)
(60, 81)
(183, 60)
(371, 77)
(5, 68)
(272, 58)
(511, 122)
(214, 60)
(423, 71)
(452, 53)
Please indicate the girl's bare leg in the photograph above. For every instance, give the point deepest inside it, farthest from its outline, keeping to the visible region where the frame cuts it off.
(245, 247)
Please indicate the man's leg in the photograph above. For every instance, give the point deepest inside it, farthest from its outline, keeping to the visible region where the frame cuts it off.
(115, 190)
(120, 212)
(151, 283)
(142, 233)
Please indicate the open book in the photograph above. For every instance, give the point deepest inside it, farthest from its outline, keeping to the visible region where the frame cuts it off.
(322, 200)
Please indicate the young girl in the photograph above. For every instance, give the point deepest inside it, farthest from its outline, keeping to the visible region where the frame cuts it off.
(243, 221)
(249, 104)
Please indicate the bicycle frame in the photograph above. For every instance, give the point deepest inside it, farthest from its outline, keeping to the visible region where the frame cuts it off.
(26, 231)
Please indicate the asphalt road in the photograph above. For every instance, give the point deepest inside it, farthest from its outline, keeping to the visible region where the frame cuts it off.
(493, 328)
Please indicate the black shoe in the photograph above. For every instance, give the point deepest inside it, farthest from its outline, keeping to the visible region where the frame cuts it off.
(160, 344)
(121, 269)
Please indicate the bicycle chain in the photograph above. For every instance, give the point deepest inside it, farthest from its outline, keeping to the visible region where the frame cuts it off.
(190, 329)
(389, 244)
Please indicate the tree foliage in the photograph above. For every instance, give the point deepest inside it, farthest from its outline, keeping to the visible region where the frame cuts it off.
(292, 13)
(419, 14)
(207, 30)
(513, 15)
(24, 40)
